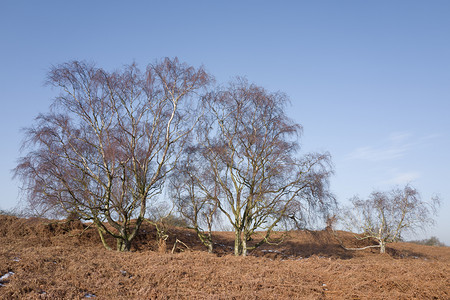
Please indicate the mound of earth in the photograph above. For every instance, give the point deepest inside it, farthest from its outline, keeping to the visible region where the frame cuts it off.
(48, 259)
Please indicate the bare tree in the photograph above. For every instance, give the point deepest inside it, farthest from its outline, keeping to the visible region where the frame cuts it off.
(110, 139)
(193, 192)
(248, 148)
(385, 216)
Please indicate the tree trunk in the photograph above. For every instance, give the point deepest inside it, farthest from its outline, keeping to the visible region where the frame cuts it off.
(244, 246)
(206, 239)
(102, 237)
(210, 247)
(210, 238)
(382, 247)
(123, 245)
(237, 243)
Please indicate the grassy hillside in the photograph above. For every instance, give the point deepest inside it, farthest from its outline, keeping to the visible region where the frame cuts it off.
(46, 259)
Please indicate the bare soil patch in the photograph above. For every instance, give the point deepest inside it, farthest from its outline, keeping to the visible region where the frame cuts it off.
(46, 259)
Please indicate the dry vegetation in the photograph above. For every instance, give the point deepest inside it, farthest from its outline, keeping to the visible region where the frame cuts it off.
(65, 260)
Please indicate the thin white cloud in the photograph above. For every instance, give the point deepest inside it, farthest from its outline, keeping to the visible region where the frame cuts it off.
(397, 145)
(378, 153)
(399, 137)
(402, 178)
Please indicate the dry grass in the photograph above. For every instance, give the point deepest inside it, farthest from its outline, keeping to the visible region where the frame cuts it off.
(52, 261)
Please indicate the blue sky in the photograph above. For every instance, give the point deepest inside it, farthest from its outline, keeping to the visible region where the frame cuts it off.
(368, 80)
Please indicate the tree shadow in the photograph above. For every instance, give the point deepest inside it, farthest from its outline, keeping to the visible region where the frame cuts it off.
(405, 253)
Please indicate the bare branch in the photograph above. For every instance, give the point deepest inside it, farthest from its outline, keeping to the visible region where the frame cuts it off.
(109, 142)
(385, 216)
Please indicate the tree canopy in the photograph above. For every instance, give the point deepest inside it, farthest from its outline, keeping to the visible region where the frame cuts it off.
(386, 215)
(109, 141)
(245, 160)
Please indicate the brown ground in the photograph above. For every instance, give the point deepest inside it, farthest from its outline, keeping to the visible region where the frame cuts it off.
(53, 261)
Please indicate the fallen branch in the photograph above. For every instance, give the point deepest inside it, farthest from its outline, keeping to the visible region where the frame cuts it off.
(175, 245)
(341, 243)
(356, 249)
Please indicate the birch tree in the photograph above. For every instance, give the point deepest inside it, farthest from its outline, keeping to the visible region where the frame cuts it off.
(109, 141)
(249, 148)
(194, 194)
(386, 216)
